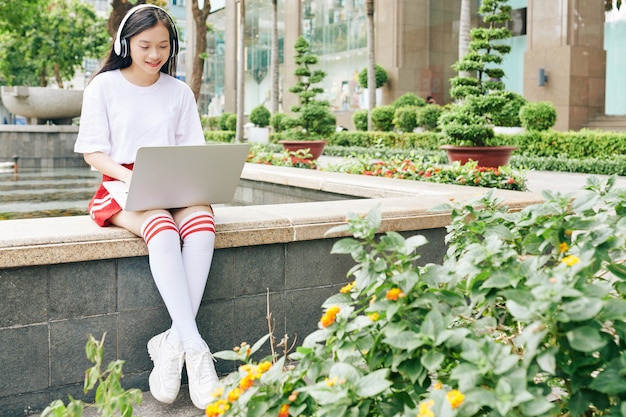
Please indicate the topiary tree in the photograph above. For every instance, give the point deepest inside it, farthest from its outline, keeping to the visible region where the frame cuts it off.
(382, 118)
(381, 77)
(359, 118)
(404, 118)
(479, 93)
(409, 99)
(260, 116)
(312, 116)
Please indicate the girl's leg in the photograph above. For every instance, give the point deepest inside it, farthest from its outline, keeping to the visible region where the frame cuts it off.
(197, 230)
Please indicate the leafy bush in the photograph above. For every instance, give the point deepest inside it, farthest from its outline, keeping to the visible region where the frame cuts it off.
(359, 119)
(538, 116)
(280, 122)
(524, 317)
(260, 116)
(382, 118)
(404, 118)
(409, 99)
(462, 127)
(427, 116)
(224, 123)
(381, 77)
(508, 114)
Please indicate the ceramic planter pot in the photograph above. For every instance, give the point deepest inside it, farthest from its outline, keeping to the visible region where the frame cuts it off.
(485, 156)
(316, 147)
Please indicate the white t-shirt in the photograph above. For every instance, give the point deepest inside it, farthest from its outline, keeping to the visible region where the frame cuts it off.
(118, 117)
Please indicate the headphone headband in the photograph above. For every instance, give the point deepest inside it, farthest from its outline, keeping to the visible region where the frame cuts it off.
(120, 46)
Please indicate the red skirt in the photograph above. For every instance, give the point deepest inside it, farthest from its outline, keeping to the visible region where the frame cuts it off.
(102, 206)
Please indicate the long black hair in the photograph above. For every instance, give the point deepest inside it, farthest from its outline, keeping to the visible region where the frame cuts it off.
(140, 20)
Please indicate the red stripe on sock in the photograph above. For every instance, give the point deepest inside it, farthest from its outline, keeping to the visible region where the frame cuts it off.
(157, 225)
(201, 223)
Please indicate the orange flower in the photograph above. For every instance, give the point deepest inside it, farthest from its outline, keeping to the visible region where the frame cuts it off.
(563, 247)
(455, 398)
(246, 382)
(284, 411)
(437, 385)
(293, 396)
(394, 294)
(329, 316)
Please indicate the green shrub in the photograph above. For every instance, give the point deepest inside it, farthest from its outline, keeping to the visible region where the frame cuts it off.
(359, 119)
(462, 127)
(280, 122)
(224, 124)
(404, 118)
(409, 99)
(231, 122)
(539, 116)
(260, 116)
(381, 77)
(428, 116)
(508, 114)
(382, 118)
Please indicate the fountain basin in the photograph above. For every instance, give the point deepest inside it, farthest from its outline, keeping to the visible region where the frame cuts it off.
(42, 104)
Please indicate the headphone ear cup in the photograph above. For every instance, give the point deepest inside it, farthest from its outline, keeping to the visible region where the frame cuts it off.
(123, 48)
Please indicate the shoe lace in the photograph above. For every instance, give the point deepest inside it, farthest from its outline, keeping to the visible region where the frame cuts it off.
(173, 365)
(202, 367)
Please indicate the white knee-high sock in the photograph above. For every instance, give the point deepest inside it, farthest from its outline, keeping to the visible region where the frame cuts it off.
(166, 264)
(198, 234)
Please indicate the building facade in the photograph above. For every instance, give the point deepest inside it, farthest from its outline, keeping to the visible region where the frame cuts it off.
(573, 43)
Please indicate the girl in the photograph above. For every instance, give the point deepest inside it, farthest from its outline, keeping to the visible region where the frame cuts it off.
(134, 101)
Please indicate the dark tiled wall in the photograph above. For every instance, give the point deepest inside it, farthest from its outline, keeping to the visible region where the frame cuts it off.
(47, 312)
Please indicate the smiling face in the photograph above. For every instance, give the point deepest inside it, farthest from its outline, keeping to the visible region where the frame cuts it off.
(149, 51)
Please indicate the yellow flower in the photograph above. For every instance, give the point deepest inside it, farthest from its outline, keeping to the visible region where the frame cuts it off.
(425, 409)
(330, 382)
(455, 398)
(563, 247)
(218, 392)
(373, 299)
(373, 316)
(246, 382)
(394, 294)
(437, 385)
(234, 394)
(217, 408)
(265, 366)
(334, 310)
(570, 260)
(347, 288)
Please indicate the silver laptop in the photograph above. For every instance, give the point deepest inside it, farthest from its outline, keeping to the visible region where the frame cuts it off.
(181, 176)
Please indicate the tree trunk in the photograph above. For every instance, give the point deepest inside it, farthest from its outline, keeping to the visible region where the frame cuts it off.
(275, 93)
(57, 75)
(371, 62)
(118, 11)
(240, 70)
(199, 17)
(464, 30)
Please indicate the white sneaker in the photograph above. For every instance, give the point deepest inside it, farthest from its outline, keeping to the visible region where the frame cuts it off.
(168, 365)
(202, 377)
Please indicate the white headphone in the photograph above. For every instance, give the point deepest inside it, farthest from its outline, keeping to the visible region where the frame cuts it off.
(121, 47)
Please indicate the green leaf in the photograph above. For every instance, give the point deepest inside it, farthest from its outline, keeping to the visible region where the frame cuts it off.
(619, 270)
(585, 339)
(373, 384)
(405, 340)
(582, 309)
(346, 245)
(432, 360)
(611, 381)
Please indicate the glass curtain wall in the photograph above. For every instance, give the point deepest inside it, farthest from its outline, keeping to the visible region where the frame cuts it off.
(614, 34)
(337, 33)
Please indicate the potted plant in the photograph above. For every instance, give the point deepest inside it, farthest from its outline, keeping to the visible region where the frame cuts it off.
(381, 79)
(468, 126)
(313, 120)
(260, 132)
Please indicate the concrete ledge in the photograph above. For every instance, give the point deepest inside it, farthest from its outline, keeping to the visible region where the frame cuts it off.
(404, 205)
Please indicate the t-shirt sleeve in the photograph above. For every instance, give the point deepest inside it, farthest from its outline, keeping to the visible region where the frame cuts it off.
(189, 129)
(93, 133)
